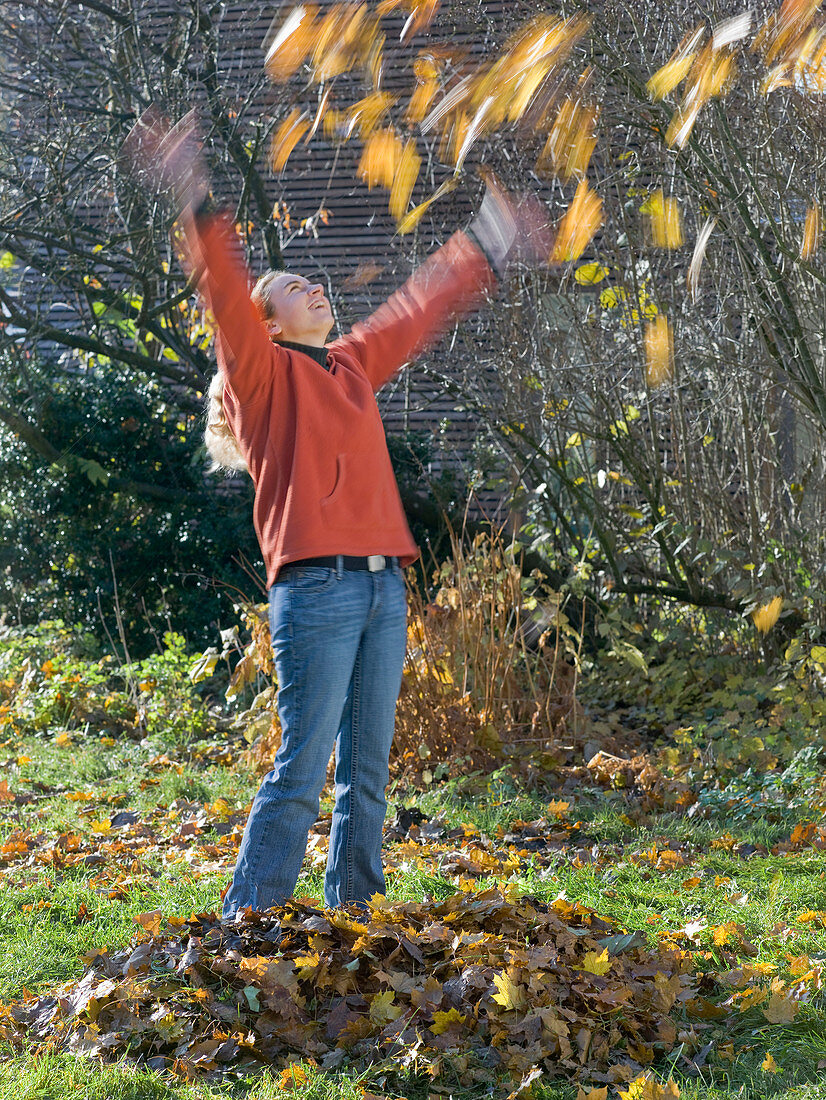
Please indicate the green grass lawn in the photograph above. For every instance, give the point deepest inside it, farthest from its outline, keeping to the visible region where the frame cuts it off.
(658, 873)
(98, 827)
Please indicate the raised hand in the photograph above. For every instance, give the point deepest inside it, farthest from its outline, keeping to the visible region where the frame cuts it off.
(168, 158)
(512, 229)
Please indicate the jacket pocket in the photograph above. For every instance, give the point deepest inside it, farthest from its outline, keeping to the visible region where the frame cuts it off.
(336, 491)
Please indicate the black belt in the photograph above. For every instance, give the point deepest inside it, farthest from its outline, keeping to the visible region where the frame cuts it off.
(374, 563)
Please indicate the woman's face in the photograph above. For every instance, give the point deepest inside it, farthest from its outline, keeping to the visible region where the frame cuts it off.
(300, 311)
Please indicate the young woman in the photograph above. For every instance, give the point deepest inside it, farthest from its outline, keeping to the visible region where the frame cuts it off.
(300, 414)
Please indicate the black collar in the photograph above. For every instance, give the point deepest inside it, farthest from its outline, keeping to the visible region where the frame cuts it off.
(319, 354)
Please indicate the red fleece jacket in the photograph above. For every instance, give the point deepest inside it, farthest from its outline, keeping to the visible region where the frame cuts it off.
(312, 438)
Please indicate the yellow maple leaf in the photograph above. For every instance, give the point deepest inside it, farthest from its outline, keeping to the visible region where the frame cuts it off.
(723, 933)
(812, 916)
(768, 1065)
(382, 1008)
(592, 1094)
(412, 219)
(443, 1020)
(666, 221)
(511, 995)
(292, 1078)
(596, 962)
(381, 156)
(780, 1009)
(404, 179)
(647, 1087)
(292, 43)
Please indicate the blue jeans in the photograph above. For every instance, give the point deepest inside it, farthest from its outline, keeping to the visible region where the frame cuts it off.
(338, 640)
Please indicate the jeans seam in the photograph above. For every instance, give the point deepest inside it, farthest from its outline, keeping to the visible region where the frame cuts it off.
(354, 752)
(253, 864)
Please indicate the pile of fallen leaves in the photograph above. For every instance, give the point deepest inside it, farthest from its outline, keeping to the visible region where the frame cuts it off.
(467, 989)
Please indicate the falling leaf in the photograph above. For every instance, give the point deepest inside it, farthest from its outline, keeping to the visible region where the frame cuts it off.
(681, 125)
(63, 740)
(457, 95)
(767, 615)
(590, 274)
(693, 276)
(571, 142)
(411, 220)
(729, 31)
(659, 352)
(578, 226)
(812, 232)
(667, 78)
(422, 13)
(380, 158)
(404, 179)
(292, 43)
(286, 137)
(365, 114)
(427, 85)
(470, 132)
(365, 273)
(666, 222)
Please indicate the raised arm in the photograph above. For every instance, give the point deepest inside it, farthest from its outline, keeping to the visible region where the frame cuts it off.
(169, 159)
(248, 356)
(450, 284)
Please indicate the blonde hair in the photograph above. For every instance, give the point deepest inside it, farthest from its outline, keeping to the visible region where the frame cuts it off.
(260, 295)
(221, 444)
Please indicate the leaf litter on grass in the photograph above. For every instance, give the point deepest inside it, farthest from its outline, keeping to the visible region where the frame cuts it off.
(472, 987)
